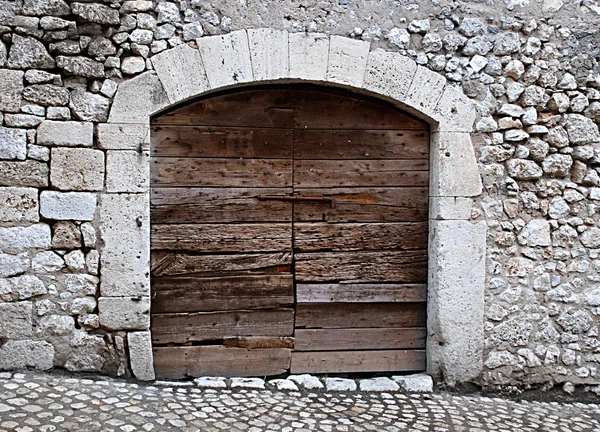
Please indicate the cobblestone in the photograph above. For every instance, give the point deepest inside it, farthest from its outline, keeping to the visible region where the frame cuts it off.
(52, 402)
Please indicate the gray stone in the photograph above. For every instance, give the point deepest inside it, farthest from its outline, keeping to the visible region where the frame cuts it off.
(251, 383)
(96, 13)
(81, 284)
(16, 320)
(575, 321)
(47, 262)
(471, 27)
(416, 383)
(192, 31)
(101, 47)
(591, 238)
(581, 130)
(56, 325)
(283, 384)
(68, 205)
(16, 239)
(309, 382)
(533, 95)
(133, 65)
(88, 233)
(80, 66)
(46, 7)
(140, 355)
(557, 165)
(11, 265)
(557, 137)
(129, 107)
(28, 173)
(497, 359)
(75, 260)
(124, 313)
(168, 13)
(399, 37)
(27, 52)
(66, 235)
(538, 149)
(507, 44)
(47, 94)
(87, 353)
(89, 107)
(419, 26)
(211, 382)
(558, 208)
(23, 120)
(381, 384)
(3, 54)
(54, 23)
(11, 90)
(127, 171)
(514, 135)
(21, 354)
(20, 204)
(58, 113)
(28, 286)
(538, 233)
(480, 45)
(67, 134)
(13, 143)
(77, 169)
(523, 169)
(340, 384)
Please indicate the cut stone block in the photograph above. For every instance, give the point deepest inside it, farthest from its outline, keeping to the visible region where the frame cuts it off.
(19, 204)
(455, 112)
(253, 383)
(211, 382)
(417, 383)
(16, 320)
(68, 205)
(114, 136)
(27, 173)
(340, 384)
(140, 355)
(77, 169)
(21, 354)
(309, 56)
(65, 133)
(17, 239)
(425, 91)
(309, 382)
(13, 143)
(127, 171)
(11, 265)
(269, 53)
(389, 74)
(347, 60)
(226, 58)
(136, 99)
(124, 313)
(450, 208)
(380, 384)
(11, 90)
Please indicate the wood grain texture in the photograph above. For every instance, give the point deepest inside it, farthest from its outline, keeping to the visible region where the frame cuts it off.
(358, 361)
(359, 339)
(222, 265)
(211, 142)
(365, 205)
(197, 294)
(360, 236)
(361, 293)
(336, 144)
(203, 326)
(196, 361)
(220, 172)
(221, 205)
(381, 266)
(360, 315)
(259, 342)
(211, 238)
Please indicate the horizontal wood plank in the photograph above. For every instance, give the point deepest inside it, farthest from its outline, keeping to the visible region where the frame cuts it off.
(196, 141)
(196, 361)
(358, 361)
(365, 205)
(317, 236)
(222, 205)
(197, 294)
(204, 326)
(259, 342)
(211, 238)
(360, 315)
(359, 339)
(361, 293)
(360, 144)
(221, 172)
(181, 264)
(381, 266)
(361, 173)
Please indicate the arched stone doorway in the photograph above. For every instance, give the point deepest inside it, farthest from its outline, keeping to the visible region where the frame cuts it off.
(456, 267)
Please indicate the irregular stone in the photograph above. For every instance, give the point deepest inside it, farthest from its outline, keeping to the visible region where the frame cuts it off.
(47, 262)
(89, 234)
(283, 384)
(68, 205)
(11, 265)
(140, 355)
(487, 124)
(56, 325)
(168, 13)
(89, 107)
(497, 359)
(11, 90)
(565, 236)
(538, 149)
(558, 208)
(46, 7)
(511, 110)
(124, 313)
(21, 354)
(13, 143)
(591, 238)
(507, 44)
(211, 382)
(575, 321)
(471, 27)
(417, 383)
(133, 65)
(101, 47)
(399, 37)
(478, 45)
(16, 320)
(87, 353)
(557, 137)
(47, 94)
(581, 130)
(419, 26)
(61, 133)
(16, 239)
(309, 382)
(514, 135)
(557, 165)
(523, 169)
(54, 23)
(380, 384)
(29, 53)
(83, 305)
(340, 384)
(22, 120)
(77, 169)
(75, 260)
(81, 284)
(80, 66)
(96, 13)
(65, 235)
(58, 113)
(537, 233)
(533, 95)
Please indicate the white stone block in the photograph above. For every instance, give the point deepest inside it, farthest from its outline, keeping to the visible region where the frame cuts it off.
(21, 354)
(13, 143)
(454, 170)
(11, 89)
(127, 171)
(68, 205)
(416, 383)
(309, 382)
(340, 384)
(455, 112)
(347, 60)
(65, 133)
(211, 382)
(253, 383)
(389, 74)
(269, 53)
(455, 305)
(124, 313)
(16, 320)
(140, 355)
(11, 265)
(125, 259)
(77, 169)
(16, 239)
(19, 204)
(309, 56)
(181, 72)
(450, 208)
(136, 99)
(425, 91)
(380, 384)
(226, 58)
(114, 136)
(283, 384)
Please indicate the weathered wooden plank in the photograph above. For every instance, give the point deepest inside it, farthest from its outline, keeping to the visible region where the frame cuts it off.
(222, 205)
(359, 339)
(259, 342)
(198, 141)
(365, 205)
(203, 326)
(222, 237)
(360, 315)
(197, 294)
(221, 172)
(315, 236)
(382, 266)
(361, 293)
(351, 173)
(195, 361)
(358, 361)
(314, 143)
(222, 265)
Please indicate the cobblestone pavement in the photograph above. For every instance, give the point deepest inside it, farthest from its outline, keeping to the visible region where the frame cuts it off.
(51, 402)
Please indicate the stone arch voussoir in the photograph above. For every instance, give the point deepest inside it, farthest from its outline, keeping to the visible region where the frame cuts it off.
(244, 57)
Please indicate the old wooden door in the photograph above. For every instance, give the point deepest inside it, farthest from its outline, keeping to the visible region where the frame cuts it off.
(289, 233)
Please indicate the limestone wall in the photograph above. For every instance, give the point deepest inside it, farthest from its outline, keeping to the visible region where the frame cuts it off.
(71, 186)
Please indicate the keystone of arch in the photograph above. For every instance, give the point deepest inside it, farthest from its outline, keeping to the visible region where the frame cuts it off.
(260, 56)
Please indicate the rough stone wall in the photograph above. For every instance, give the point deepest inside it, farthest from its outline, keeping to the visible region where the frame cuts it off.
(531, 67)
